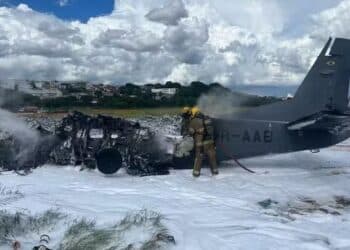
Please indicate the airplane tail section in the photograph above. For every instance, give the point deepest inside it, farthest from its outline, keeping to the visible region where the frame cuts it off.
(326, 86)
(324, 90)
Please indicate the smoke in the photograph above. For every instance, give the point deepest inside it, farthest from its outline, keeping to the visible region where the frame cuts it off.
(10, 99)
(16, 128)
(25, 138)
(220, 102)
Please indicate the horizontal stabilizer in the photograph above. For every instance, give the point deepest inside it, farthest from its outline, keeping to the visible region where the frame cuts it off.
(323, 121)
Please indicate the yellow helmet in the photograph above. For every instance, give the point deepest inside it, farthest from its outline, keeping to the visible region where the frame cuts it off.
(186, 110)
(195, 110)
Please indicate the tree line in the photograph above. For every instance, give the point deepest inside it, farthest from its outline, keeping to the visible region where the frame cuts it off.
(131, 96)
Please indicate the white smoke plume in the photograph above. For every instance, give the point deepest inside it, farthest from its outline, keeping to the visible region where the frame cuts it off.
(220, 103)
(13, 126)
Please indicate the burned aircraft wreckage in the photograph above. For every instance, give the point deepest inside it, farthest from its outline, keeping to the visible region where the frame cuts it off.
(101, 142)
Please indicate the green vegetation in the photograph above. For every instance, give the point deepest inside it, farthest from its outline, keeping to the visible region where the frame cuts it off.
(82, 234)
(128, 113)
(86, 235)
(11, 99)
(134, 96)
(129, 96)
(21, 223)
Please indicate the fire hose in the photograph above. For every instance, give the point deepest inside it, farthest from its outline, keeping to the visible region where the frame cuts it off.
(244, 167)
(236, 161)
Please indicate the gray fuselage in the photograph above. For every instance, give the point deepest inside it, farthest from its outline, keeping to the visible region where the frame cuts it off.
(249, 138)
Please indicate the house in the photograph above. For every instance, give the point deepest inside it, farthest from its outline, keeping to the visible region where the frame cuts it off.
(109, 90)
(79, 95)
(165, 91)
(160, 93)
(29, 109)
(64, 86)
(45, 93)
(73, 85)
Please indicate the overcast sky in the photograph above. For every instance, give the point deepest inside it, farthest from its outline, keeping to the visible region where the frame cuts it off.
(257, 42)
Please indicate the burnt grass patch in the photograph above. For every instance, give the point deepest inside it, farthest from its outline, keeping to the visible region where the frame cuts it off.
(303, 206)
(141, 230)
(19, 224)
(9, 195)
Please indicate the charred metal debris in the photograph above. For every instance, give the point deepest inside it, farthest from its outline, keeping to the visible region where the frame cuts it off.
(101, 142)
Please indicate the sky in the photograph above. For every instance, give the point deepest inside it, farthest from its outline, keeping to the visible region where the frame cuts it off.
(237, 43)
(69, 10)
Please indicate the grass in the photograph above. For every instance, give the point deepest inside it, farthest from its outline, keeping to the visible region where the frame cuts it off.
(19, 224)
(128, 113)
(123, 113)
(141, 230)
(8, 195)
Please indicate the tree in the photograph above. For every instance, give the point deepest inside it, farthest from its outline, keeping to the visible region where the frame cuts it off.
(130, 89)
(170, 84)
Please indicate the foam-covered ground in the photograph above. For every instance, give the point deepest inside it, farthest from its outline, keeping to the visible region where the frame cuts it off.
(295, 201)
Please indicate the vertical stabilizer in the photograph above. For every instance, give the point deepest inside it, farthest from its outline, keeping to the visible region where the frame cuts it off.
(326, 85)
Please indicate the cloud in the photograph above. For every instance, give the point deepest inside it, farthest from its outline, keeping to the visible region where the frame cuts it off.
(63, 3)
(48, 48)
(169, 14)
(130, 41)
(245, 42)
(59, 30)
(31, 67)
(4, 44)
(187, 41)
(332, 22)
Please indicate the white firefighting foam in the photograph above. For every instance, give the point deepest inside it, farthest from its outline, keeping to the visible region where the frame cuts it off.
(295, 201)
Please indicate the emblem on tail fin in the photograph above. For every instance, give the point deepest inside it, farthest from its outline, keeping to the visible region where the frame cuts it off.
(331, 63)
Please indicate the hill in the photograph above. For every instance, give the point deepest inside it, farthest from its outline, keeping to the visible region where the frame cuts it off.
(59, 95)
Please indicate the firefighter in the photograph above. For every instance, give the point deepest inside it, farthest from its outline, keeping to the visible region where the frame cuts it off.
(44, 240)
(186, 118)
(202, 130)
(16, 245)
